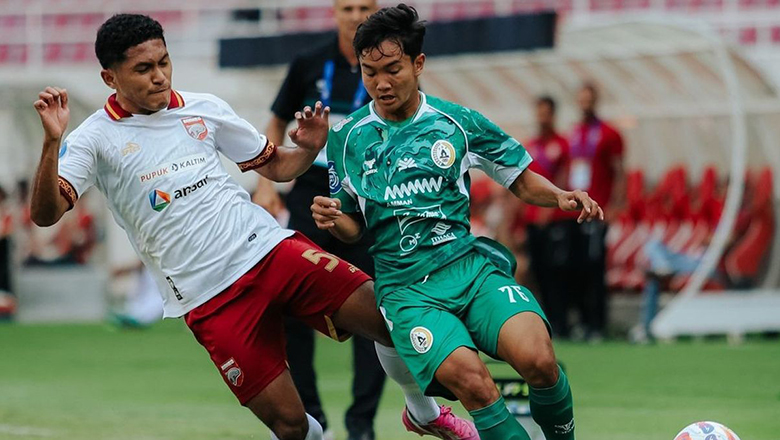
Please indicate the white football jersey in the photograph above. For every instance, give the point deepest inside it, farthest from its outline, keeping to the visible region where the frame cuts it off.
(192, 225)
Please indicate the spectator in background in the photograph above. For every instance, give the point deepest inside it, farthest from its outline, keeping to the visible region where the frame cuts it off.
(596, 167)
(6, 230)
(142, 305)
(67, 243)
(331, 74)
(548, 229)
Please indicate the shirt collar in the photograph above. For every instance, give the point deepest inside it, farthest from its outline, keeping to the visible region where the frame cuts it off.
(116, 112)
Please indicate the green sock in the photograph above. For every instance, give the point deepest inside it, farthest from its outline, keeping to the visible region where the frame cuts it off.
(495, 423)
(553, 409)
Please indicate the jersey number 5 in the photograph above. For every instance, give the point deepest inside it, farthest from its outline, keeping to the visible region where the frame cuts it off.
(316, 256)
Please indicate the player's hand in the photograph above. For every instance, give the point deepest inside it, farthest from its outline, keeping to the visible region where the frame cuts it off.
(326, 211)
(580, 200)
(52, 107)
(312, 130)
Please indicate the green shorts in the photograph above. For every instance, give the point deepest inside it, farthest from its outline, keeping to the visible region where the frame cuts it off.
(463, 304)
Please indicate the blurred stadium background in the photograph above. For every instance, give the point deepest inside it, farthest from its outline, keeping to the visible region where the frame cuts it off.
(692, 85)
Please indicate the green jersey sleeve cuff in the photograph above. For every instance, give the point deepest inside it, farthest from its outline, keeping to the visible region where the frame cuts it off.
(501, 174)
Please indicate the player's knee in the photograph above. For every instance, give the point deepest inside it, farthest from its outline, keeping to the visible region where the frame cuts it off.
(473, 386)
(383, 337)
(291, 427)
(542, 371)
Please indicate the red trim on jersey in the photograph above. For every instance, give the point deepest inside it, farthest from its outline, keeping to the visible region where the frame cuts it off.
(176, 100)
(116, 112)
(68, 191)
(262, 159)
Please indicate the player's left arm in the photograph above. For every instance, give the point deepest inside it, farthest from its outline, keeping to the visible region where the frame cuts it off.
(310, 136)
(239, 140)
(506, 161)
(535, 189)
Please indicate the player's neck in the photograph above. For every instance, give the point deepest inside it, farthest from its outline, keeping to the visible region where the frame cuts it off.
(404, 112)
(130, 107)
(346, 49)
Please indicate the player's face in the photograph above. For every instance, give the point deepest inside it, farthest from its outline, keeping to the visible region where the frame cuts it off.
(143, 80)
(586, 99)
(349, 14)
(391, 77)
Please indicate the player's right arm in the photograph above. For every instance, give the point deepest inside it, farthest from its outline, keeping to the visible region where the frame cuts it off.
(327, 214)
(339, 213)
(48, 203)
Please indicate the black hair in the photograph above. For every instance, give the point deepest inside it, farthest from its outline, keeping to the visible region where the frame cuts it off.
(546, 100)
(121, 32)
(400, 25)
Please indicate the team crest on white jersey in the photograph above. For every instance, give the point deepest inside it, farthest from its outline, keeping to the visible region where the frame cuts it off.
(195, 127)
(422, 339)
(130, 148)
(233, 372)
(443, 154)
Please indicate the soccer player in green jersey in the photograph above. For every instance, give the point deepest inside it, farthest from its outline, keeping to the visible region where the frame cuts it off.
(399, 167)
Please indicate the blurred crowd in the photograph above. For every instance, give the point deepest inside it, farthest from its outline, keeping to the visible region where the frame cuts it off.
(70, 242)
(654, 237)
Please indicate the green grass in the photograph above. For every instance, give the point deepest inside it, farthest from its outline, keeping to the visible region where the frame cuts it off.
(92, 382)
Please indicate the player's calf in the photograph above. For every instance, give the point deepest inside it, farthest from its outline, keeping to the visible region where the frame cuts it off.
(524, 343)
(281, 410)
(468, 378)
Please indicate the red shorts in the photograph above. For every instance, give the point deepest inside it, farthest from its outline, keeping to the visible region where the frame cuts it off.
(242, 327)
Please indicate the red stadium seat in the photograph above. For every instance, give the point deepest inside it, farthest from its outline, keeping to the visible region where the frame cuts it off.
(745, 260)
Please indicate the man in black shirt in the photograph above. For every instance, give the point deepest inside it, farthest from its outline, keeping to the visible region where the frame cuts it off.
(331, 74)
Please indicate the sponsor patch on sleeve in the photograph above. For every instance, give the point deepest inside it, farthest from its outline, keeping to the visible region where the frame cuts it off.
(333, 178)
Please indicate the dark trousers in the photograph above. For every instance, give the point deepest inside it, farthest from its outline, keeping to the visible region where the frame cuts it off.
(568, 261)
(549, 254)
(588, 274)
(369, 377)
(5, 264)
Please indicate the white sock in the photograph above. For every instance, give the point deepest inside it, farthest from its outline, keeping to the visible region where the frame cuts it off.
(315, 430)
(422, 408)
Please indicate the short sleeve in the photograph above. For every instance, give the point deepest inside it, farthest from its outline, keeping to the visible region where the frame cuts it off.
(493, 151)
(291, 94)
(338, 180)
(239, 140)
(76, 166)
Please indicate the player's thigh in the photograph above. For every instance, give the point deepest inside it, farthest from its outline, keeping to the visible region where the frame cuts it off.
(245, 340)
(359, 315)
(320, 284)
(498, 298)
(424, 337)
(524, 343)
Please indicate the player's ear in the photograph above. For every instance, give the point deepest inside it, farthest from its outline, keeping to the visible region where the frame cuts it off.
(419, 63)
(109, 78)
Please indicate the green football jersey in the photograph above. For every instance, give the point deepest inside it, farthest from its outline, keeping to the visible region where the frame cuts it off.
(410, 181)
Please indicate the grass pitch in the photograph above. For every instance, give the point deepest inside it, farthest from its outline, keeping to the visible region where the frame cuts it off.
(93, 382)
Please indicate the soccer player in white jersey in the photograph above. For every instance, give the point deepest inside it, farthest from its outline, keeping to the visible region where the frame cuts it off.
(220, 261)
